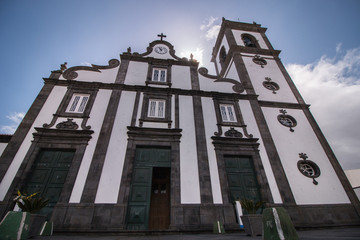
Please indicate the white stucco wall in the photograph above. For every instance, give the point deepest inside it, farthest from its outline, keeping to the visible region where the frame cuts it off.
(2, 147)
(303, 140)
(136, 73)
(45, 116)
(109, 185)
(96, 119)
(253, 129)
(104, 76)
(354, 178)
(207, 84)
(189, 173)
(257, 75)
(210, 128)
(180, 77)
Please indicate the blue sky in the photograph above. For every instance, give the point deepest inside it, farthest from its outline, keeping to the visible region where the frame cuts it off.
(319, 42)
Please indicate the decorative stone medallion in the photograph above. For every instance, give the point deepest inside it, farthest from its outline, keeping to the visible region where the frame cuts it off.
(270, 85)
(286, 120)
(259, 60)
(233, 133)
(308, 168)
(69, 124)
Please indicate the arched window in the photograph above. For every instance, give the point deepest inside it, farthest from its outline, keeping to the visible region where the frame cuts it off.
(249, 41)
(222, 54)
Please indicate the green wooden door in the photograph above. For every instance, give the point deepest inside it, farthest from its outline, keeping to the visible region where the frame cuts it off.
(241, 178)
(140, 193)
(48, 175)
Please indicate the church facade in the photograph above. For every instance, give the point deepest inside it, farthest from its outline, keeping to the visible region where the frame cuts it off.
(152, 142)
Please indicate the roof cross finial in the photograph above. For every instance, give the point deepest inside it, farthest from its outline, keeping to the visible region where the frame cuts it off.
(161, 36)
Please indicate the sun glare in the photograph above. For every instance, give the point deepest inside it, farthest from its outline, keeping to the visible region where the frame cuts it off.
(197, 54)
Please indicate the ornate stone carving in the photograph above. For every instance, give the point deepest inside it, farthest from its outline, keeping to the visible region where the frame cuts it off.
(237, 86)
(69, 124)
(286, 120)
(233, 133)
(259, 60)
(270, 85)
(71, 74)
(308, 168)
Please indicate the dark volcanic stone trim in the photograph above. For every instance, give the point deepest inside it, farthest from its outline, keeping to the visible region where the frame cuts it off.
(201, 147)
(75, 140)
(71, 73)
(4, 138)
(136, 108)
(97, 163)
(145, 109)
(324, 215)
(330, 154)
(24, 127)
(275, 162)
(283, 105)
(92, 90)
(166, 66)
(289, 81)
(156, 137)
(177, 113)
(240, 147)
(279, 173)
(334, 162)
(149, 89)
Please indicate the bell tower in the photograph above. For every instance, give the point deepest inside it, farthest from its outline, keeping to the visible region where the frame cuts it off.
(287, 129)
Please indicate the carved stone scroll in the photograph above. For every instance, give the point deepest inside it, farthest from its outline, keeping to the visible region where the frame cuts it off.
(71, 74)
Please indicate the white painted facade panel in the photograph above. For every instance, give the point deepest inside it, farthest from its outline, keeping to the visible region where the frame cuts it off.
(237, 35)
(207, 84)
(253, 129)
(210, 128)
(109, 184)
(2, 147)
(50, 106)
(258, 74)
(136, 73)
(162, 55)
(95, 121)
(225, 44)
(104, 75)
(289, 145)
(180, 77)
(189, 173)
(232, 72)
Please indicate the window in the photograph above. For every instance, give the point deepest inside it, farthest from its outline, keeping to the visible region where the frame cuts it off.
(78, 103)
(159, 75)
(222, 54)
(249, 41)
(156, 108)
(227, 113)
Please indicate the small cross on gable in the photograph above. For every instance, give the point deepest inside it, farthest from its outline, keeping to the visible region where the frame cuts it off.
(161, 36)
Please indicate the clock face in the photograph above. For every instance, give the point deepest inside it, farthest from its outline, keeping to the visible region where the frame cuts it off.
(161, 50)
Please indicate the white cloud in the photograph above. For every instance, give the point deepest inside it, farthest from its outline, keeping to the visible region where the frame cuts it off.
(15, 121)
(212, 32)
(211, 29)
(338, 47)
(210, 22)
(332, 87)
(85, 64)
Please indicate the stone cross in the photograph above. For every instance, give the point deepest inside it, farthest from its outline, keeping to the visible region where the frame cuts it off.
(161, 36)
